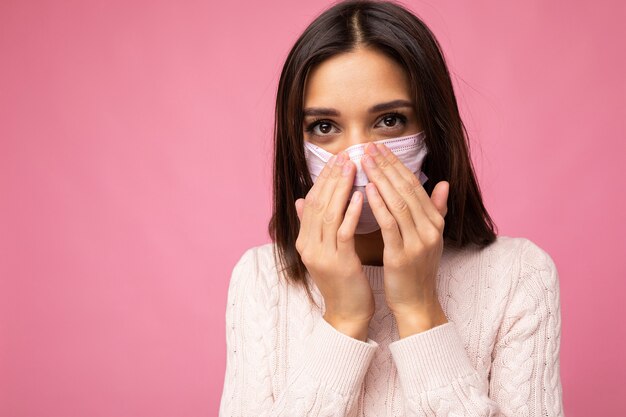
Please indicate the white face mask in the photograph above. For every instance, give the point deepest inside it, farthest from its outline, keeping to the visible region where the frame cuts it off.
(410, 150)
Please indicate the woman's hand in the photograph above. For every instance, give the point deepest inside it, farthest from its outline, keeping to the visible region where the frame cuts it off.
(412, 226)
(326, 246)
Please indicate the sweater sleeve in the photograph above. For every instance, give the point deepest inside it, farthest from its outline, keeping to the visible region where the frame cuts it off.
(326, 378)
(437, 376)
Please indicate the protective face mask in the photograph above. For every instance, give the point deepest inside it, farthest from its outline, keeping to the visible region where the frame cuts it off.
(410, 150)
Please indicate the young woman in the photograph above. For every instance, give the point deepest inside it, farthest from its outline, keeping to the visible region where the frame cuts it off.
(386, 291)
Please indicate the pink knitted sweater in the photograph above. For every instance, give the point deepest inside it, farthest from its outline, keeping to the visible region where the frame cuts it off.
(497, 356)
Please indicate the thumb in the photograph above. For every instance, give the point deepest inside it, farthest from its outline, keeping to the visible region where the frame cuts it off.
(299, 206)
(439, 197)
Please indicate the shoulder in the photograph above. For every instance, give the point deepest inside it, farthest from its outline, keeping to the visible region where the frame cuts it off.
(538, 273)
(533, 277)
(255, 270)
(257, 258)
(530, 257)
(500, 259)
(525, 284)
(507, 266)
(520, 250)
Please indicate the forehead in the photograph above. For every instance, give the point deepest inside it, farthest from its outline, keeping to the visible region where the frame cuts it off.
(362, 77)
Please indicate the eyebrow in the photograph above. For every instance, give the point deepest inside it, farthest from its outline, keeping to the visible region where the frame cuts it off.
(324, 111)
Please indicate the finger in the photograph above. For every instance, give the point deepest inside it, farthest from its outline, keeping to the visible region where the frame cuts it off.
(345, 233)
(432, 211)
(299, 207)
(301, 239)
(334, 214)
(390, 186)
(404, 184)
(313, 203)
(318, 218)
(386, 221)
(439, 197)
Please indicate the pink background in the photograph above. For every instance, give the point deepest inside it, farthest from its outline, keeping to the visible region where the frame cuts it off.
(135, 144)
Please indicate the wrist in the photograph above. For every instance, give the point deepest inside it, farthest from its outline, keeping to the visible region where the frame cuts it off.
(415, 321)
(357, 329)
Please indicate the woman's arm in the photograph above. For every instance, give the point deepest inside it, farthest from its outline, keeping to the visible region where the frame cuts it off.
(326, 381)
(438, 378)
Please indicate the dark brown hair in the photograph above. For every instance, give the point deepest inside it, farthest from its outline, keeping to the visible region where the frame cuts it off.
(392, 29)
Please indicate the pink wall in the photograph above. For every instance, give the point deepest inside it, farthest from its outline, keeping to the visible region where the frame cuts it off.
(134, 171)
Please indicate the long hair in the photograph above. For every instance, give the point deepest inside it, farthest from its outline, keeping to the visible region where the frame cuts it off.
(395, 31)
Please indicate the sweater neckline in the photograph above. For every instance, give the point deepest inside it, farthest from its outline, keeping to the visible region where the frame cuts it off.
(375, 274)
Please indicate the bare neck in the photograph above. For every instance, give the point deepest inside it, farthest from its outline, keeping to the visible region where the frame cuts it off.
(369, 248)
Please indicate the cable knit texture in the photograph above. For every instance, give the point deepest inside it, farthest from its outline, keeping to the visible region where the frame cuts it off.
(498, 355)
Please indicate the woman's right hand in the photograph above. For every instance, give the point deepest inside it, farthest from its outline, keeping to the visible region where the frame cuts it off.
(326, 246)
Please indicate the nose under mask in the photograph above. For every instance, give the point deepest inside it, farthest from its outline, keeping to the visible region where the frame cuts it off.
(410, 150)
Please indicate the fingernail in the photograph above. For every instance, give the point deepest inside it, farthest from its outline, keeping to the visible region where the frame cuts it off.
(372, 149)
(369, 161)
(373, 188)
(346, 170)
(382, 148)
(341, 158)
(331, 161)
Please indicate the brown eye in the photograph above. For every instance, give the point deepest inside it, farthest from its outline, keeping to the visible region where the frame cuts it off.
(390, 121)
(320, 128)
(325, 127)
(393, 121)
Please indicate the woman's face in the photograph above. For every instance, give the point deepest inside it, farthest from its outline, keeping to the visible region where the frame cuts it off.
(357, 97)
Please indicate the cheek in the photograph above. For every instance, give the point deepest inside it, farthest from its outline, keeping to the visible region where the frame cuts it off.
(415, 124)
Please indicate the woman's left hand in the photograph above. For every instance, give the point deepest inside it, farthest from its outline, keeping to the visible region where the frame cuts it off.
(412, 226)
